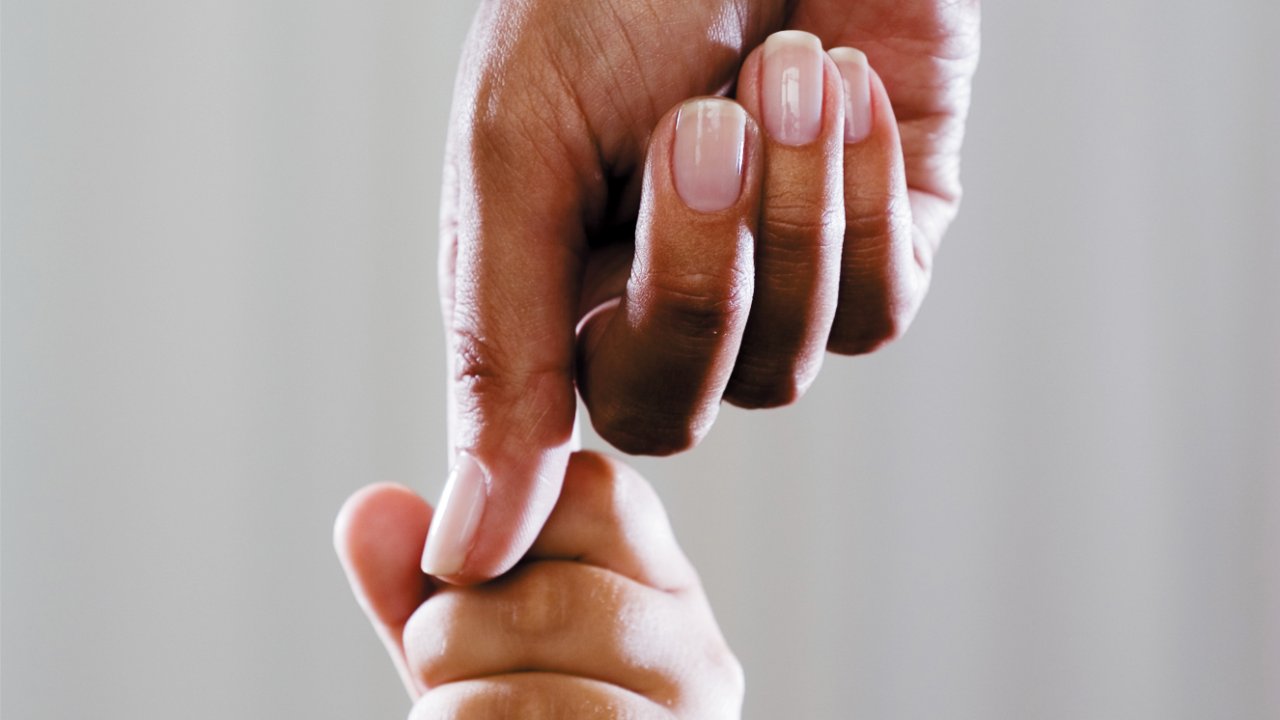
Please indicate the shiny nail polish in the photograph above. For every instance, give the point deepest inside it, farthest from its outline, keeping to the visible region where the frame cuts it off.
(453, 527)
(791, 87)
(707, 153)
(855, 74)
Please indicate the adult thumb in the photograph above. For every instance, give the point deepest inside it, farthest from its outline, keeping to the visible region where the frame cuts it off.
(522, 173)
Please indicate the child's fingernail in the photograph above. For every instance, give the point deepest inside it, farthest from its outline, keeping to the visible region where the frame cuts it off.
(791, 87)
(453, 527)
(707, 152)
(856, 76)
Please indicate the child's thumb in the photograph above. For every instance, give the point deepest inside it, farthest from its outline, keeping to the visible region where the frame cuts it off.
(378, 537)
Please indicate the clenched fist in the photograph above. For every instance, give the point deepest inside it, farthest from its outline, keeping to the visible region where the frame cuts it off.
(714, 249)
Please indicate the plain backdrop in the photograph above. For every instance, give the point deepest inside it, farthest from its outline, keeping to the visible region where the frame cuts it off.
(1057, 498)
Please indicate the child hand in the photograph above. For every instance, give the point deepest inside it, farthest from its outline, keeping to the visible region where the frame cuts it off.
(603, 618)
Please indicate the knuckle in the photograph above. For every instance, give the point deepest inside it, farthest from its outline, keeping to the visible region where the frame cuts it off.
(879, 291)
(874, 227)
(798, 227)
(492, 383)
(698, 305)
(868, 328)
(537, 603)
(477, 361)
(522, 116)
(875, 221)
(764, 386)
(776, 367)
(426, 636)
(638, 430)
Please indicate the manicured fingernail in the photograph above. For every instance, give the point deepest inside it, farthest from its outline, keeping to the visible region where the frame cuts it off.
(791, 87)
(453, 527)
(707, 153)
(856, 76)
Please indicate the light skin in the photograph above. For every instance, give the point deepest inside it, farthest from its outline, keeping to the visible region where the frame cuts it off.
(604, 617)
(564, 200)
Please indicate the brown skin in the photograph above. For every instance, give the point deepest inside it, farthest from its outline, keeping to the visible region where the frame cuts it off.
(556, 106)
(603, 618)
(652, 372)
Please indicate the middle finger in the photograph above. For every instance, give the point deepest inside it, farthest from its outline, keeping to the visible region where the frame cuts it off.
(791, 85)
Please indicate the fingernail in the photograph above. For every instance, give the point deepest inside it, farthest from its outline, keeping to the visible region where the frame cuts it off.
(707, 158)
(856, 76)
(453, 527)
(791, 87)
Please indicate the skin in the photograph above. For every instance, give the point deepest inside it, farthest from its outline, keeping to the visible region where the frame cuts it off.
(603, 618)
(548, 196)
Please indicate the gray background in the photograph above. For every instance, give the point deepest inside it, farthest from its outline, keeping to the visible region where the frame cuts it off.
(1056, 498)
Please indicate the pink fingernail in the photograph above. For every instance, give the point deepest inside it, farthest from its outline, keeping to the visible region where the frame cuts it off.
(707, 153)
(791, 87)
(453, 527)
(856, 75)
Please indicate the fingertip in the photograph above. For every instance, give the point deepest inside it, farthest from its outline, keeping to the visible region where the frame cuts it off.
(374, 509)
(513, 429)
(490, 512)
(377, 535)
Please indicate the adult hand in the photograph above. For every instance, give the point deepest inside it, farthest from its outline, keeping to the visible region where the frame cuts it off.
(553, 112)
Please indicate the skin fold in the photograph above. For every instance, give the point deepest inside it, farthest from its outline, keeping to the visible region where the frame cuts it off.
(602, 618)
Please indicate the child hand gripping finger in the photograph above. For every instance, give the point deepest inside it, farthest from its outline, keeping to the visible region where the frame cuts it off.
(603, 618)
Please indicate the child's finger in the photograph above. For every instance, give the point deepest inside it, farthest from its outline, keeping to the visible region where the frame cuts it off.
(883, 273)
(378, 537)
(556, 616)
(605, 593)
(792, 87)
(535, 695)
(610, 517)
(652, 369)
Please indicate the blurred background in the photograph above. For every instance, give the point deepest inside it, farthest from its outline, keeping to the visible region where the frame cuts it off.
(1057, 497)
